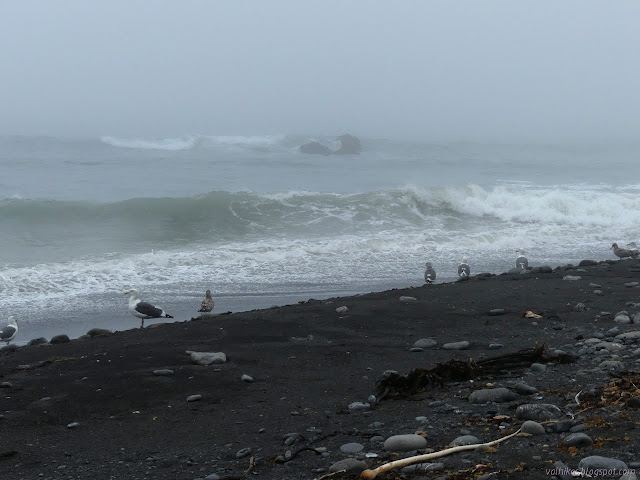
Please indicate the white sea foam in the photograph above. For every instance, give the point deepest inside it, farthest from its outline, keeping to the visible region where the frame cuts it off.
(171, 144)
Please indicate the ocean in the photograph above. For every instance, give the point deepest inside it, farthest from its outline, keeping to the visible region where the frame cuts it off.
(260, 224)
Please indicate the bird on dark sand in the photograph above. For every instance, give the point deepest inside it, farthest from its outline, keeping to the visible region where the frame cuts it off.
(429, 273)
(624, 252)
(144, 310)
(463, 270)
(207, 304)
(9, 331)
(521, 260)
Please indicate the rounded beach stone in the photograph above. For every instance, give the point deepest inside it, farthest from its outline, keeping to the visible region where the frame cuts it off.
(405, 299)
(342, 309)
(500, 394)
(59, 339)
(349, 465)
(539, 412)
(425, 343)
(405, 443)
(605, 463)
(207, 358)
(532, 428)
(37, 341)
(351, 448)
(464, 440)
(247, 378)
(456, 345)
(163, 372)
(578, 440)
(194, 398)
(98, 331)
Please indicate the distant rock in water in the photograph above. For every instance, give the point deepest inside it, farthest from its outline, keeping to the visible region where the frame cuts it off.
(349, 145)
(315, 148)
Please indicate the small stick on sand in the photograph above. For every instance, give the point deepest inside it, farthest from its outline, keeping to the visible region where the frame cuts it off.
(371, 474)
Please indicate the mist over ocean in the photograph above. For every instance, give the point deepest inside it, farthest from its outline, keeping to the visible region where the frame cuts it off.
(260, 224)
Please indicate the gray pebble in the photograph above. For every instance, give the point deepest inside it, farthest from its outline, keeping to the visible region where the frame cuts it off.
(350, 465)
(193, 398)
(532, 428)
(425, 343)
(351, 448)
(163, 372)
(73, 425)
(538, 411)
(500, 394)
(464, 440)
(243, 453)
(538, 367)
(456, 345)
(578, 440)
(605, 463)
(247, 378)
(405, 443)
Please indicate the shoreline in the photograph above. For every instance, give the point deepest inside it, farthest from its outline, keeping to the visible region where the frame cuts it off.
(123, 404)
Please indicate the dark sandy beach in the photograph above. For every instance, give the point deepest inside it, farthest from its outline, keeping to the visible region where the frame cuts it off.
(118, 406)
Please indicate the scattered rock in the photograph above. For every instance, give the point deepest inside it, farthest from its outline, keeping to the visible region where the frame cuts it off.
(343, 309)
(538, 412)
(37, 341)
(532, 428)
(498, 395)
(163, 372)
(194, 398)
(456, 345)
(405, 443)
(425, 343)
(95, 332)
(578, 440)
(406, 299)
(207, 358)
(59, 339)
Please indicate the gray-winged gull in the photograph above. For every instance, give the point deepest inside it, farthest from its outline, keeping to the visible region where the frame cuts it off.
(207, 304)
(624, 252)
(9, 331)
(143, 310)
(463, 269)
(521, 260)
(429, 273)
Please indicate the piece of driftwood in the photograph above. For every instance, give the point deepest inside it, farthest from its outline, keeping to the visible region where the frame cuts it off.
(371, 474)
(393, 384)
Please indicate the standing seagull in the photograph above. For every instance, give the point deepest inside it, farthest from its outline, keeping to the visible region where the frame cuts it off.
(9, 332)
(429, 273)
(521, 261)
(143, 310)
(463, 269)
(624, 252)
(207, 304)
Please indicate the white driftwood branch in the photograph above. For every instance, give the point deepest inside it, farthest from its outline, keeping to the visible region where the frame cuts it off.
(371, 474)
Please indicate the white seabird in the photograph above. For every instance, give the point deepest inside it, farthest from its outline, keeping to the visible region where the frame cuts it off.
(429, 273)
(10, 331)
(143, 310)
(521, 261)
(624, 252)
(207, 304)
(463, 269)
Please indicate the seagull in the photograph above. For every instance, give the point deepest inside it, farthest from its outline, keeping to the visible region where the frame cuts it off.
(207, 304)
(623, 252)
(521, 260)
(463, 269)
(9, 332)
(634, 248)
(143, 310)
(429, 273)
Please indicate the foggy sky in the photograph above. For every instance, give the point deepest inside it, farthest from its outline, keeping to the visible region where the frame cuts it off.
(466, 69)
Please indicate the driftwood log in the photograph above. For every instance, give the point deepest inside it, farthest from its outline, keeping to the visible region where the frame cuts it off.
(393, 384)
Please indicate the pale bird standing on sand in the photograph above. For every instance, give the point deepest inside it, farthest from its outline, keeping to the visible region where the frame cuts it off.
(521, 261)
(143, 310)
(429, 273)
(624, 252)
(463, 269)
(207, 304)
(9, 331)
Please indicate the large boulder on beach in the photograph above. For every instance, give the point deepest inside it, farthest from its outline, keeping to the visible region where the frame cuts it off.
(315, 148)
(349, 145)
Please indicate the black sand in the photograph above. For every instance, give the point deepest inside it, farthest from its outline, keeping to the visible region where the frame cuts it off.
(309, 363)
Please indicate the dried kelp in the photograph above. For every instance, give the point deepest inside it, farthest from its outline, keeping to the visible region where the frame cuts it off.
(393, 384)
